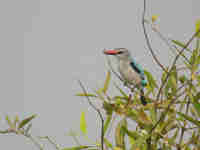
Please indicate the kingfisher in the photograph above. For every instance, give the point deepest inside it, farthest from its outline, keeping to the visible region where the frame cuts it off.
(131, 72)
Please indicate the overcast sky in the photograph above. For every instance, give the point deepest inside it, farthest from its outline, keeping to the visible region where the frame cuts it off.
(47, 45)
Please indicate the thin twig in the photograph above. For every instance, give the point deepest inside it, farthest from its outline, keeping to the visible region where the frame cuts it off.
(57, 147)
(29, 136)
(147, 39)
(74, 136)
(99, 113)
(172, 47)
(174, 62)
(22, 132)
(183, 129)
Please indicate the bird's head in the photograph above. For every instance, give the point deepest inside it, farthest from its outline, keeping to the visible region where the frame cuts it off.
(120, 53)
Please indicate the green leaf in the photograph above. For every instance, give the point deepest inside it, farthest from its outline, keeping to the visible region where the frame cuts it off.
(198, 44)
(183, 79)
(172, 140)
(83, 124)
(133, 134)
(198, 27)
(196, 122)
(76, 148)
(10, 123)
(107, 123)
(121, 91)
(151, 80)
(16, 120)
(120, 134)
(180, 44)
(86, 95)
(173, 81)
(107, 82)
(25, 121)
(196, 104)
(108, 144)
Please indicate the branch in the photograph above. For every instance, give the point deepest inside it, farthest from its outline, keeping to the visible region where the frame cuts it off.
(57, 147)
(148, 41)
(22, 132)
(29, 136)
(98, 112)
(172, 47)
(174, 62)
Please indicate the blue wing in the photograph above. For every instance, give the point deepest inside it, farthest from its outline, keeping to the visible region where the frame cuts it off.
(137, 68)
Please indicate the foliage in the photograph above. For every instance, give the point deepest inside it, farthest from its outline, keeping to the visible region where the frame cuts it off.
(173, 108)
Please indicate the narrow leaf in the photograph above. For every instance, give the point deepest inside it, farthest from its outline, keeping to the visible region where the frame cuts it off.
(121, 91)
(76, 148)
(180, 44)
(86, 95)
(198, 27)
(151, 80)
(120, 134)
(196, 105)
(106, 84)
(107, 123)
(196, 122)
(133, 134)
(83, 124)
(107, 143)
(25, 121)
(11, 125)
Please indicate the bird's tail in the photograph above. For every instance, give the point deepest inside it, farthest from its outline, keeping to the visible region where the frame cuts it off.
(142, 97)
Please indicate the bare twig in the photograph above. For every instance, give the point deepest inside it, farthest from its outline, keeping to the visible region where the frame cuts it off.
(74, 136)
(22, 132)
(183, 129)
(99, 113)
(174, 62)
(172, 47)
(57, 147)
(30, 137)
(148, 41)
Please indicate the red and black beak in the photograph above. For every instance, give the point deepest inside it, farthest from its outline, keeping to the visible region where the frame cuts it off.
(111, 51)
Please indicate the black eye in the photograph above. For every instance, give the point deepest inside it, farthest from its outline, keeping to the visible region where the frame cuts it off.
(120, 52)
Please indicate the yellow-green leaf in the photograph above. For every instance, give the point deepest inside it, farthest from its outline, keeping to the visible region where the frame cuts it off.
(198, 27)
(180, 44)
(144, 117)
(76, 148)
(196, 105)
(26, 121)
(106, 84)
(121, 91)
(133, 134)
(16, 120)
(10, 123)
(107, 123)
(154, 18)
(120, 134)
(83, 124)
(151, 80)
(107, 143)
(86, 95)
(196, 122)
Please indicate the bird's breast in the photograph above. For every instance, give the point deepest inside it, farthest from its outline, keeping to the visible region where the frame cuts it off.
(128, 73)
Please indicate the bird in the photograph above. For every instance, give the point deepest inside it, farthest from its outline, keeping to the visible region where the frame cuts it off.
(131, 72)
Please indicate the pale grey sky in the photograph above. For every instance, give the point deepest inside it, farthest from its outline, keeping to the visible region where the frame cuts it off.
(46, 45)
